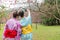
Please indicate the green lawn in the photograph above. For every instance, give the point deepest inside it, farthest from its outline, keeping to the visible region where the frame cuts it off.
(43, 32)
(46, 32)
(1, 31)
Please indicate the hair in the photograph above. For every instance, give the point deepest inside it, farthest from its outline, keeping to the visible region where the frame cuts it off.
(21, 13)
(15, 14)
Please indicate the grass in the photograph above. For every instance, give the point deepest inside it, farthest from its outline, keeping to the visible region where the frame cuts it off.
(43, 32)
(46, 32)
(1, 31)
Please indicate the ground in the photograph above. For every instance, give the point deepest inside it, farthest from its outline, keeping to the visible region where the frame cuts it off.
(43, 32)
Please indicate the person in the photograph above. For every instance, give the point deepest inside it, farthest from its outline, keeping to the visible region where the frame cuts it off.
(26, 25)
(12, 28)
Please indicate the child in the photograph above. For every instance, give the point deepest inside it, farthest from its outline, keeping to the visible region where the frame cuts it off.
(26, 25)
(12, 28)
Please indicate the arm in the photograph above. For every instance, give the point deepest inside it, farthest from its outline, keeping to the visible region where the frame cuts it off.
(4, 31)
(29, 17)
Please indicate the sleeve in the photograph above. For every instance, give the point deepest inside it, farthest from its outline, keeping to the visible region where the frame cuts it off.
(29, 15)
(29, 18)
(19, 29)
(5, 27)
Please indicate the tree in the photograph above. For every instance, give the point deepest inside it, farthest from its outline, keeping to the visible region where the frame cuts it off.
(2, 14)
(50, 11)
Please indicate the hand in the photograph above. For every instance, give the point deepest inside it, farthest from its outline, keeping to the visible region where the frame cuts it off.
(3, 38)
(28, 10)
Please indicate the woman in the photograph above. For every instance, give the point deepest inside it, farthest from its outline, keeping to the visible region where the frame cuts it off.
(12, 29)
(26, 25)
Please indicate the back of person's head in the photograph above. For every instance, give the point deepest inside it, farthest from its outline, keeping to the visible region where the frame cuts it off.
(15, 14)
(21, 13)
